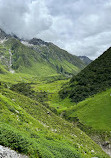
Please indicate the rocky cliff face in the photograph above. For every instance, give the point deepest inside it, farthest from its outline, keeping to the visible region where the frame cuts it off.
(85, 59)
(3, 35)
(36, 41)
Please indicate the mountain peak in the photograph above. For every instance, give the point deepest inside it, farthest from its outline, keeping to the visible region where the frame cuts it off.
(36, 41)
(3, 34)
(85, 59)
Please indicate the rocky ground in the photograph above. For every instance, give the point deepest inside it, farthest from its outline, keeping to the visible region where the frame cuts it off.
(8, 153)
(107, 150)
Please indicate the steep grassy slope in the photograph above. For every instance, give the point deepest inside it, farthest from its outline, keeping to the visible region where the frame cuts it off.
(95, 78)
(93, 112)
(54, 54)
(30, 128)
(4, 58)
(36, 59)
(93, 116)
(2, 69)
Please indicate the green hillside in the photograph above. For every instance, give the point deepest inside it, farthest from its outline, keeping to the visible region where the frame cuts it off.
(96, 77)
(29, 127)
(93, 112)
(40, 59)
(93, 115)
(2, 69)
(31, 75)
(90, 96)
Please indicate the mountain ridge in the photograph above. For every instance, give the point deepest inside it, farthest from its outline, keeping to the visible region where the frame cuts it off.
(85, 59)
(30, 56)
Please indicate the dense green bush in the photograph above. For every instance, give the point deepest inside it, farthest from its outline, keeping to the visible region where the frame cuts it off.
(25, 89)
(16, 140)
(35, 147)
(93, 79)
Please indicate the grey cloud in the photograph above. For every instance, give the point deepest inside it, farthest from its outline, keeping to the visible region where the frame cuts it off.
(24, 18)
(91, 46)
(82, 27)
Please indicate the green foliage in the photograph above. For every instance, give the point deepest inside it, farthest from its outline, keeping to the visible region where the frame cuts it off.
(94, 112)
(93, 116)
(4, 58)
(20, 142)
(12, 138)
(25, 89)
(95, 78)
(2, 70)
(51, 88)
(34, 130)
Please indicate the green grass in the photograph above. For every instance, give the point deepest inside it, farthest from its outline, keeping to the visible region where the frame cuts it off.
(52, 89)
(10, 78)
(41, 69)
(4, 58)
(94, 112)
(26, 126)
(70, 67)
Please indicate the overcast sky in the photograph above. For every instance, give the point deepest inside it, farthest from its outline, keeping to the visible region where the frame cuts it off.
(82, 27)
